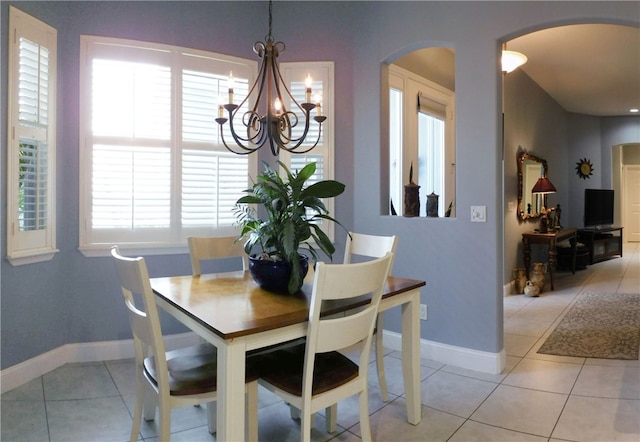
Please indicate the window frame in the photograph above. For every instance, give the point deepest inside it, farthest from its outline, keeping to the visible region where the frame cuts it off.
(37, 245)
(191, 59)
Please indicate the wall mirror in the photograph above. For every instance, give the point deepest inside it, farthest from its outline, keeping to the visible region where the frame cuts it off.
(530, 168)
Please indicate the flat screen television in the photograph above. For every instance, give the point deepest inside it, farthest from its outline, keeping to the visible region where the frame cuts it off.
(598, 208)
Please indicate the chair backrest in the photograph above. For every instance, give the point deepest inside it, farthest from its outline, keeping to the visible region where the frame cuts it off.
(355, 328)
(373, 246)
(144, 318)
(202, 248)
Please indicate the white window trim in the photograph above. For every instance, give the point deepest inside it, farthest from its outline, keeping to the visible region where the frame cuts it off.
(89, 248)
(325, 71)
(26, 247)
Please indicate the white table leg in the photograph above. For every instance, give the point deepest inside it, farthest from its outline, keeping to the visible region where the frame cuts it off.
(231, 397)
(411, 357)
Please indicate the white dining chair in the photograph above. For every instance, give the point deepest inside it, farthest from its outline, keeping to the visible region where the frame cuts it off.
(170, 379)
(314, 375)
(373, 246)
(209, 248)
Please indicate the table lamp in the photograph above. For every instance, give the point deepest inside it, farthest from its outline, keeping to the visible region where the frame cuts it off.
(543, 187)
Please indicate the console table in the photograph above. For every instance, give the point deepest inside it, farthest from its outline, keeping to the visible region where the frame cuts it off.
(550, 238)
(603, 242)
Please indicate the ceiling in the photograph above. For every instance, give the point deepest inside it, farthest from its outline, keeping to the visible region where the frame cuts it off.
(588, 69)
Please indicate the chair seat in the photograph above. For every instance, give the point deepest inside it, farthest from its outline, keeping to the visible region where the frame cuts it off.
(193, 370)
(283, 369)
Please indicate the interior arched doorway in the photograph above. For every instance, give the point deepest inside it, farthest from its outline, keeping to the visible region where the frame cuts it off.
(540, 120)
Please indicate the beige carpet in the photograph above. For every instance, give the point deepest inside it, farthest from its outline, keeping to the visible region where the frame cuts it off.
(599, 325)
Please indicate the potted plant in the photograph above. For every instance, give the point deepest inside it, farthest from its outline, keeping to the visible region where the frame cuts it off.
(292, 211)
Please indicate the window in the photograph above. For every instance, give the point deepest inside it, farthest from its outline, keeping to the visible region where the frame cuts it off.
(31, 153)
(153, 167)
(422, 134)
(322, 74)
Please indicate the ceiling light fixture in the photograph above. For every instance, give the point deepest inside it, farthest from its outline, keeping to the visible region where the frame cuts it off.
(511, 60)
(634, 110)
(278, 126)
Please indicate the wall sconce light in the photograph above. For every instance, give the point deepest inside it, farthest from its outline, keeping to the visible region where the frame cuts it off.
(511, 60)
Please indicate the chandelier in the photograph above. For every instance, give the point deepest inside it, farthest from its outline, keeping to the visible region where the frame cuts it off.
(277, 125)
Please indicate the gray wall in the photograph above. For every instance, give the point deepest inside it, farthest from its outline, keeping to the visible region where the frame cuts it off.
(537, 124)
(75, 299)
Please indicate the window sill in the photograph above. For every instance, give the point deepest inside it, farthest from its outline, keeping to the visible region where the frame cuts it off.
(103, 250)
(31, 257)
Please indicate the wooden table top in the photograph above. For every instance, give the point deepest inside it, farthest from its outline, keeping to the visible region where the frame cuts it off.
(232, 305)
(563, 233)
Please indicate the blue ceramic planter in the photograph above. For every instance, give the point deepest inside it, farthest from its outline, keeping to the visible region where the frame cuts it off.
(274, 275)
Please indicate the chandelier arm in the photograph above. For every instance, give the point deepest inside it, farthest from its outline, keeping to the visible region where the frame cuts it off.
(237, 138)
(247, 150)
(294, 148)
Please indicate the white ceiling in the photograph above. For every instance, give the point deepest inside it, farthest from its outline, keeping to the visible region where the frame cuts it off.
(588, 69)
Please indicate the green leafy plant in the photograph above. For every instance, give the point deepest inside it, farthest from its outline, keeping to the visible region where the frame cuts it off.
(292, 212)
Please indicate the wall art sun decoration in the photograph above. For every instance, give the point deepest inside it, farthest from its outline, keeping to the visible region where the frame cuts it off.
(584, 168)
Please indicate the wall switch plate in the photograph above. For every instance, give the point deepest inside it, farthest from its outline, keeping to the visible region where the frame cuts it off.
(511, 206)
(423, 312)
(478, 214)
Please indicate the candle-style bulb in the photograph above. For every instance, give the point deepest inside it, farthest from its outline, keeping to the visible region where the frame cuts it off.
(308, 82)
(317, 99)
(277, 106)
(230, 84)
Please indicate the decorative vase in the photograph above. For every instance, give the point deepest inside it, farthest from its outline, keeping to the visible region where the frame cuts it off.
(411, 200)
(519, 279)
(531, 289)
(274, 275)
(537, 274)
(432, 205)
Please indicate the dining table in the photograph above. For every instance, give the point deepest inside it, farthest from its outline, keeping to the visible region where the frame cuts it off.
(233, 313)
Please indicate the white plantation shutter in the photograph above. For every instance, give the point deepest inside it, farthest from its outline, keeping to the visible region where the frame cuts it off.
(33, 97)
(31, 143)
(299, 161)
(321, 73)
(156, 168)
(33, 83)
(131, 100)
(33, 186)
(211, 184)
(131, 187)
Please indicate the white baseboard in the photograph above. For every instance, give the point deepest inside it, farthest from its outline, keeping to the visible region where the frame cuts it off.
(26, 371)
(462, 357)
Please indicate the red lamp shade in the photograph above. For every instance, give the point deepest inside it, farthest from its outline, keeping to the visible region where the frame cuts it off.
(544, 186)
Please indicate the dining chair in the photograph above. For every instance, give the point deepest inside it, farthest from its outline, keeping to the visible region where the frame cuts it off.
(314, 375)
(206, 248)
(373, 246)
(176, 378)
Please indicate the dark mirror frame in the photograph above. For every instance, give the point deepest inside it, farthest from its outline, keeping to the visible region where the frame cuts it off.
(522, 212)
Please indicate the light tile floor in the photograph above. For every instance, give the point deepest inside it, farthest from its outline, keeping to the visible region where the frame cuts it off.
(537, 397)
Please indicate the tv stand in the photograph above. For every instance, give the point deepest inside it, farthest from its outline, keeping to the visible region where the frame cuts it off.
(602, 242)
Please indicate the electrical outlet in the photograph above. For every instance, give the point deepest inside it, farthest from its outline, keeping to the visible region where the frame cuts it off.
(423, 312)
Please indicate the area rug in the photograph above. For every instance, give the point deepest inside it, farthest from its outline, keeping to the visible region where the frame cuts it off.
(599, 325)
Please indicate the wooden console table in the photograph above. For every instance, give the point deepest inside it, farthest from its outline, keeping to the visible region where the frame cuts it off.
(550, 238)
